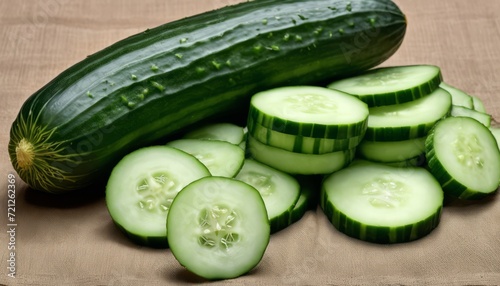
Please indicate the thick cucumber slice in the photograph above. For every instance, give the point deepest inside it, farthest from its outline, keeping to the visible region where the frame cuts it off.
(463, 155)
(299, 163)
(458, 96)
(418, 161)
(229, 132)
(310, 111)
(391, 151)
(141, 188)
(383, 204)
(300, 144)
(408, 120)
(467, 112)
(218, 228)
(391, 85)
(280, 191)
(220, 157)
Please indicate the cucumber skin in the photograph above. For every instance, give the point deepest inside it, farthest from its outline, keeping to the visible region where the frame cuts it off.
(153, 84)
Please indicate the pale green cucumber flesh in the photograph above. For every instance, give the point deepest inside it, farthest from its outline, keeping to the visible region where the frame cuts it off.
(218, 228)
(391, 85)
(484, 118)
(299, 163)
(141, 188)
(382, 204)
(309, 111)
(408, 120)
(223, 131)
(280, 191)
(478, 104)
(458, 96)
(463, 155)
(220, 157)
(391, 151)
(300, 144)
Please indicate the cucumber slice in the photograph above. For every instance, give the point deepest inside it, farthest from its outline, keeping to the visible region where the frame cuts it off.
(141, 188)
(496, 133)
(418, 161)
(280, 191)
(310, 111)
(220, 157)
(458, 96)
(463, 155)
(310, 187)
(467, 112)
(391, 151)
(391, 85)
(301, 144)
(382, 204)
(218, 228)
(408, 120)
(478, 104)
(228, 132)
(299, 163)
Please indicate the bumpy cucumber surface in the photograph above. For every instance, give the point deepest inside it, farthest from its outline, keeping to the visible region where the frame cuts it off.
(153, 84)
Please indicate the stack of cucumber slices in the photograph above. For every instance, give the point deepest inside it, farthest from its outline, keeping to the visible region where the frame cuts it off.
(305, 130)
(378, 152)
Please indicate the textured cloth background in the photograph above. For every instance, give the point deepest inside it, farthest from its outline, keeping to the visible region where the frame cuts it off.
(72, 241)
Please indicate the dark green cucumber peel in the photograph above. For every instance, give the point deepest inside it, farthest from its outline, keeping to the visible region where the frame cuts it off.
(154, 84)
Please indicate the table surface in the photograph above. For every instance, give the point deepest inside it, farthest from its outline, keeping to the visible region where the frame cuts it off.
(71, 240)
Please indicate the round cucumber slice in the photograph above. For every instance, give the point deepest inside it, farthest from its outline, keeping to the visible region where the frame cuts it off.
(223, 131)
(301, 144)
(141, 188)
(408, 120)
(382, 204)
(463, 155)
(391, 151)
(280, 191)
(218, 228)
(299, 163)
(220, 157)
(391, 85)
(310, 111)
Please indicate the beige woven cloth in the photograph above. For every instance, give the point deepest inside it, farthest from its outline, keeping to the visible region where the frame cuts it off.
(72, 241)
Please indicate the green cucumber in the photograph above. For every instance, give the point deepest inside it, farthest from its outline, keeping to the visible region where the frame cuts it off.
(484, 118)
(310, 187)
(301, 144)
(141, 189)
(165, 80)
(223, 131)
(458, 96)
(309, 111)
(220, 157)
(408, 120)
(463, 155)
(391, 151)
(478, 104)
(495, 130)
(299, 163)
(280, 191)
(382, 204)
(218, 228)
(391, 85)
